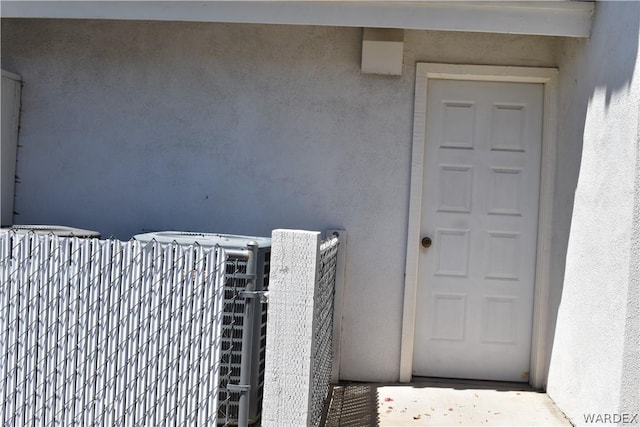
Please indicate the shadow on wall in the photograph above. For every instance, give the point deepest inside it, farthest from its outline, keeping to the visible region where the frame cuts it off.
(614, 71)
(591, 71)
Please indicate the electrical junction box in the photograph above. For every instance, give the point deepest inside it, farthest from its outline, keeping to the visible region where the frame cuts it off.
(382, 51)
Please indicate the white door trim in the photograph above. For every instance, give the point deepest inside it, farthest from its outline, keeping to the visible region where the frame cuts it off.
(549, 78)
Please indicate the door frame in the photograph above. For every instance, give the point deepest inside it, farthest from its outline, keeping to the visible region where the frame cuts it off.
(548, 77)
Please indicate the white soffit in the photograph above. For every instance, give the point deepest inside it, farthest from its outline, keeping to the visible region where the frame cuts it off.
(552, 18)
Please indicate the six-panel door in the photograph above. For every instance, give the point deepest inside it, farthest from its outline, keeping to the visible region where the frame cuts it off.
(480, 209)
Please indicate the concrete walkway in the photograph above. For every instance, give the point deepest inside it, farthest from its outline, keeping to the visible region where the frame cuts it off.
(441, 403)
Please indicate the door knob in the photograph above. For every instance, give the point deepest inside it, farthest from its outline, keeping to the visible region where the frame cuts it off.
(426, 242)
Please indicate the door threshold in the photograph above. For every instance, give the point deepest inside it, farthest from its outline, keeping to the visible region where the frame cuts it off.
(462, 383)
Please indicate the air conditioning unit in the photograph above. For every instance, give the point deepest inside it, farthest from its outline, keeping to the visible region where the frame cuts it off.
(233, 318)
(56, 230)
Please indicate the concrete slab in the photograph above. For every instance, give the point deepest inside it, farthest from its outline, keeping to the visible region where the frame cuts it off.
(441, 403)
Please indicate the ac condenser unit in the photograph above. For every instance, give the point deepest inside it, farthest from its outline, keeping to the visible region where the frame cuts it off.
(56, 230)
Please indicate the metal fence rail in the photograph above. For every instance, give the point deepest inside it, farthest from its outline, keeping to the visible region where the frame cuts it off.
(109, 332)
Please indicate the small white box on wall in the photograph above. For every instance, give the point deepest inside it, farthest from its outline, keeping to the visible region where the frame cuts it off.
(382, 50)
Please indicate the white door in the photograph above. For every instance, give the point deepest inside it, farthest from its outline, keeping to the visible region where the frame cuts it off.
(480, 210)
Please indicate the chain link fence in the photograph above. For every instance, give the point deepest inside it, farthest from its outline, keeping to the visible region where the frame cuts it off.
(323, 331)
(233, 328)
(114, 333)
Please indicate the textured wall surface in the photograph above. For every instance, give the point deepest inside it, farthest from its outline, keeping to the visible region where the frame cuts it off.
(131, 126)
(595, 363)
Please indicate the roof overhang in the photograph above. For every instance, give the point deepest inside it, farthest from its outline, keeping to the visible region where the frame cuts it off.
(549, 18)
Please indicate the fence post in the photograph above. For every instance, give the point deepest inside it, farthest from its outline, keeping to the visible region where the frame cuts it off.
(295, 259)
(250, 313)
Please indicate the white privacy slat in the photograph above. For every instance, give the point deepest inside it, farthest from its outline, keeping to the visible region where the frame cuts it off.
(185, 338)
(9, 332)
(5, 318)
(51, 322)
(10, 351)
(5, 251)
(145, 343)
(41, 359)
(30, 364)
(205, 343)
(108, 333)
(20, 333)
(92, 327)
(156, 341)
(141, 343)
(72, 310)
(213, 325)
(61, 329)
(12, 338)
(132, 330)
(196, 333)
(104, 310)
(83, 331)
(174, 334)
(113, 344)
(123, 336)
(163, 356)
(8, 308)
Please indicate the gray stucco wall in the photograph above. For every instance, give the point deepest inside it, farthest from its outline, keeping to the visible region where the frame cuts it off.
(595, 363)
(132, 126)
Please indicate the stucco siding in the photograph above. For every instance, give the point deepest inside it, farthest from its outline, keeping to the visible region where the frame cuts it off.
(132, 126)
(595, 360)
